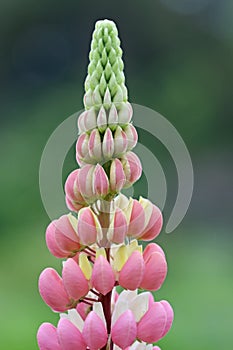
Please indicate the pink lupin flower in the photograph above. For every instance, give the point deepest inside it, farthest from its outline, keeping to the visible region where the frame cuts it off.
(136, 218)
(131, 274)
(52, 290)
(132, 168)
(74, 280)
(118, 227)
(95, 146)
(47, 337)
(94, 332)
(85, 182)
(102, 119)
(103, 278)
(100, 182)
(82, 151)
(154, 220)
(155, 271)
(113, 117)
(125, 113)
(74, 198)
(132, 136)
(89, 228)
(70, 336)
(117, 176)
(87, 120)
(108, 145)
(124, 330)
(62, 238)
(120, 142)
(151, 326)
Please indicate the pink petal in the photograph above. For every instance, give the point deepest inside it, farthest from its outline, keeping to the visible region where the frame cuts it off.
(51, 242)
(52, 290)
(94, 332)
(100, 181)
(87, 230)
(66, 237)
(119, 228)
(152, 324)
(137, 219)
(83, 310)
(154, 226)
(103, 278)
(117, 176)
(132, 272)
(95, 146)
(132, 136)
(108, 144)
(70, 336)
(155, 272)
(47, 337)
(170, 316)
(152, 248)
(132, 167)
(84, 181)
(74, 280)
(124, 330)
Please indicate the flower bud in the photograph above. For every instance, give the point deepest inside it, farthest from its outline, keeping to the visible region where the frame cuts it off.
(132, 136)
(100, 182)
(52, 290)
(94, 332)
(95, 146)
(132, 168)
(102, 120)
(69, 335)
(62, 237)
(84, 182)
(47, 337)
(120, 142)
(117, 176)
(108, 145)
(113, 117)
(152, 324)
(125, 113)
(74, 280)
(103, 278)
(74, 199)
(89, 228)
(132, 272)
(118, 227)
(124, 330)
(154, 220)
(87, 120)
(82, 151)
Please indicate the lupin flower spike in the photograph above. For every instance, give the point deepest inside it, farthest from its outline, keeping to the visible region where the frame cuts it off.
(100, 238)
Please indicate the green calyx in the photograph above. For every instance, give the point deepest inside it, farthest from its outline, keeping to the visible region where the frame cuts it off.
(105, 82)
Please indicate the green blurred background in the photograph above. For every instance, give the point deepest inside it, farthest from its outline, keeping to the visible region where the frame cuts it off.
(178, 60)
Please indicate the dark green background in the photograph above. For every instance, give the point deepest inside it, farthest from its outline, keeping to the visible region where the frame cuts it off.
(177, 62)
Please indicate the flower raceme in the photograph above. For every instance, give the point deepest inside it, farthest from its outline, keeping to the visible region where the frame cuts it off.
(129, 267)
(135, 317)
(133, 219)
(98, 240)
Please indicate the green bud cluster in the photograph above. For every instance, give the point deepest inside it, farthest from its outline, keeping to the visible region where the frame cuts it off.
(105, 82)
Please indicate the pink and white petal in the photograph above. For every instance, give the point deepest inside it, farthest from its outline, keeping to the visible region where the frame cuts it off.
(150, 249)
(51, 242)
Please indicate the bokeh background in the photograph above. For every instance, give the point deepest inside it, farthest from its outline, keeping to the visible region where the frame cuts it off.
(178, 60)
